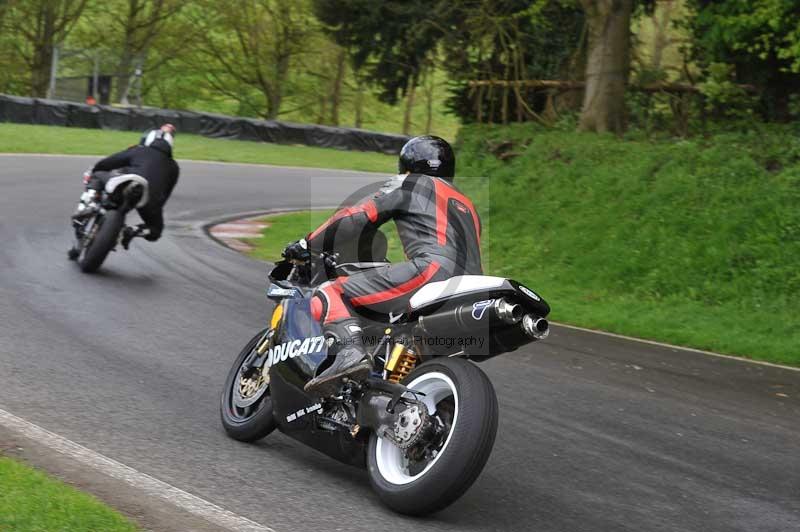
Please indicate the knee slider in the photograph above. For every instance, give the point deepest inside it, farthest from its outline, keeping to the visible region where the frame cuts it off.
(317, 307)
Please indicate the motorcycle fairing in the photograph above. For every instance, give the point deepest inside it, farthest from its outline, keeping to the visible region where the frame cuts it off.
(296, 411)
(296, 326)
(433, 293)
(470, 288)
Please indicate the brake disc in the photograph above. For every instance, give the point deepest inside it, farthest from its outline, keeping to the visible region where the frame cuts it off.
(250, 388)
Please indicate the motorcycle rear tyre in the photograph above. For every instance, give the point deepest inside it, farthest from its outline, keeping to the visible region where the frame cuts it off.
(104, 241)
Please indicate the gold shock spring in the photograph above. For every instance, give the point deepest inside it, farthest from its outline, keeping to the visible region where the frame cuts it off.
(401, 362)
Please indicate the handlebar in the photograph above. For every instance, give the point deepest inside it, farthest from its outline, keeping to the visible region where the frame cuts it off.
(306, 272)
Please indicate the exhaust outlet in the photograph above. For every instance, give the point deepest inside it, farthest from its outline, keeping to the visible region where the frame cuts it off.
(508, 312)
(536, 328)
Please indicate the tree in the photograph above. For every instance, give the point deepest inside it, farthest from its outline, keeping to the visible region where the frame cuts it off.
(338, 82)
(14, 77)
(4, 5)
(41, 25)
(760, 40)
(249, 46)
(139, 26)
(607, 65)
(510, 40)
(320, 80)
(388, 41)
(154, 35)
(171, 77)
(662, 23)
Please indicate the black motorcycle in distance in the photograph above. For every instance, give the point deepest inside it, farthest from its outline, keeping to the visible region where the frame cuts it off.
(424, 423)
(99, 222)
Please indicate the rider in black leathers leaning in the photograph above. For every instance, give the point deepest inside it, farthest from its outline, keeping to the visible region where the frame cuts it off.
(151, 159)
(440, 232)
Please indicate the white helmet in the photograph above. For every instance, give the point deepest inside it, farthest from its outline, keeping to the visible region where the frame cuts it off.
(165, 132)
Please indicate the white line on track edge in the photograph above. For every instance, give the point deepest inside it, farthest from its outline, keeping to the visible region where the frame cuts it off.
(141, 481)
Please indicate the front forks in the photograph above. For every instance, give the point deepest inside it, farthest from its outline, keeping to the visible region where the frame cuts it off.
(256, 357)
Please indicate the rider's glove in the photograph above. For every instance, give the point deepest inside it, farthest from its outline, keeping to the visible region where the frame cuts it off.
(297, 251)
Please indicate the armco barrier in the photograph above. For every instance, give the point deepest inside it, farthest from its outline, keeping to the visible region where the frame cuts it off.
(59, 113)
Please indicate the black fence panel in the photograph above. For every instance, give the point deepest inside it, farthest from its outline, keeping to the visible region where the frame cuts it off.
(189, 122)
(16, 109)
(52, 112)
(59, 113)
(215, 126)
(114, 118)
(82, 115)
(295, 133)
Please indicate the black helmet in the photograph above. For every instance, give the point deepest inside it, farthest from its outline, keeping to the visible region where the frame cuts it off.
(428, 155)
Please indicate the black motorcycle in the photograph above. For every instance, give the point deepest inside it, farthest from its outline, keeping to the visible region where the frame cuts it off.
(99, 222)
(424, 423)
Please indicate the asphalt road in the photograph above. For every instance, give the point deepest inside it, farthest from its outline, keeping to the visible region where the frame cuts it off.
(596, 433)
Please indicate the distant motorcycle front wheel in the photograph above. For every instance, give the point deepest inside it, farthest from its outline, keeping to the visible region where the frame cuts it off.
(462, 403)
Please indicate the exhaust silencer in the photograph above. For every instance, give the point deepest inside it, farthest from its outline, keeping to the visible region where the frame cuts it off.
(507, 312)
(482, 328)
(472, 317)
(536, 328)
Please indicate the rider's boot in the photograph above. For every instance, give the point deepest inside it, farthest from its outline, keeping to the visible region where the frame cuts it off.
(350, 361)
(128, 234)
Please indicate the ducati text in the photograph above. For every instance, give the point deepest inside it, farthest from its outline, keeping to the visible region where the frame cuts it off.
(286, 350)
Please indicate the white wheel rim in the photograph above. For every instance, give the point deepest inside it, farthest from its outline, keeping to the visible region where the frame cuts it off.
(392, 465)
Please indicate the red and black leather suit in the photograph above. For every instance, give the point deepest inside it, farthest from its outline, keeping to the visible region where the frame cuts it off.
(440, 231)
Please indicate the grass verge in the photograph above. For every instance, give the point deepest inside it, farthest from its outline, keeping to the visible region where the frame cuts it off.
(690, 242)
(288, 227)
(22, 138)
(693, 242)
(31, 501)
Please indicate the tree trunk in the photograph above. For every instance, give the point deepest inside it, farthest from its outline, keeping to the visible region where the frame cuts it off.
(430, 89)
(274, 98)
(661, 25)
(323, 109)
(429, 111)
(42, 57)
(125, 78)
(336, 93)
(607, 65)
(40, 70)
(40, 26)
(275, 92)
(359, 119)
(126, 61)
(409, 108)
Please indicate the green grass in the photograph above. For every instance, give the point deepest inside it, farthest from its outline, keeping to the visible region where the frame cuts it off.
(21, 138)
(285, 228)
(692, 242)
(30, 501)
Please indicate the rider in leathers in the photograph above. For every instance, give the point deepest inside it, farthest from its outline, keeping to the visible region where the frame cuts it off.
(440, 232)
(151, 159)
